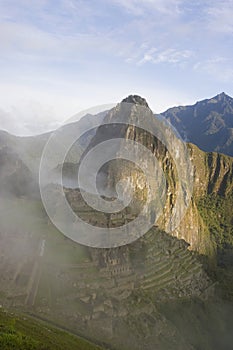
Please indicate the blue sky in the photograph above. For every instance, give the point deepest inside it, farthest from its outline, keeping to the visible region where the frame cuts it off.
(59, 57)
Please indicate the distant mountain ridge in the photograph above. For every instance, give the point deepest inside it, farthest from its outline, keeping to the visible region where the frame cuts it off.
(208, 123)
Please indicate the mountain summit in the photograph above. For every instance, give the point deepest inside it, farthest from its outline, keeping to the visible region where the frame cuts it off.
(223, 96)
(138, 100)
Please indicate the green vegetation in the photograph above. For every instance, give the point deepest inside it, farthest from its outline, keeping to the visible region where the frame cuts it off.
(19, 332)
(10, 339)
(217, 213)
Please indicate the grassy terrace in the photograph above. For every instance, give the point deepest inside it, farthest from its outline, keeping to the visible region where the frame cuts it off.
(21, 332)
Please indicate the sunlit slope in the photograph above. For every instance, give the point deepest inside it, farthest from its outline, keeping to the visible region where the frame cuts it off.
(21, 332)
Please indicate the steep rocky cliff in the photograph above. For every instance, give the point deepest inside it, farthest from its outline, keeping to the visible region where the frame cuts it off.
(199, 174)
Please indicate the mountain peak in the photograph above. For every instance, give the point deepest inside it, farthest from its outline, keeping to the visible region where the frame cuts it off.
(222, 96)
(138, 100)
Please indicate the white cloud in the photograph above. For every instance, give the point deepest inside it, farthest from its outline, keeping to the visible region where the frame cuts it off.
(140, 7)
(220, 15)
(25, 39)
(29, 109)
(218, 68)
(28, 118)
(172, 56)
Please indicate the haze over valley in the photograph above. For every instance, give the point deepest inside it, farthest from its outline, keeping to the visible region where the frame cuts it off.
(116, 175)
(151, 284)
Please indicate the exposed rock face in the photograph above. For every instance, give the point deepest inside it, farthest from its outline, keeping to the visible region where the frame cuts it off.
(135, 122)
(212, 173)
(136, 100)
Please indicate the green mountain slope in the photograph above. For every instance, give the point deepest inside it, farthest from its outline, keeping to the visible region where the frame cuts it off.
(21, 332)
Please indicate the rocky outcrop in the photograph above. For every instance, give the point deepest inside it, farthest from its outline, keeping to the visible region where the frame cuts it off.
(138, 100)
